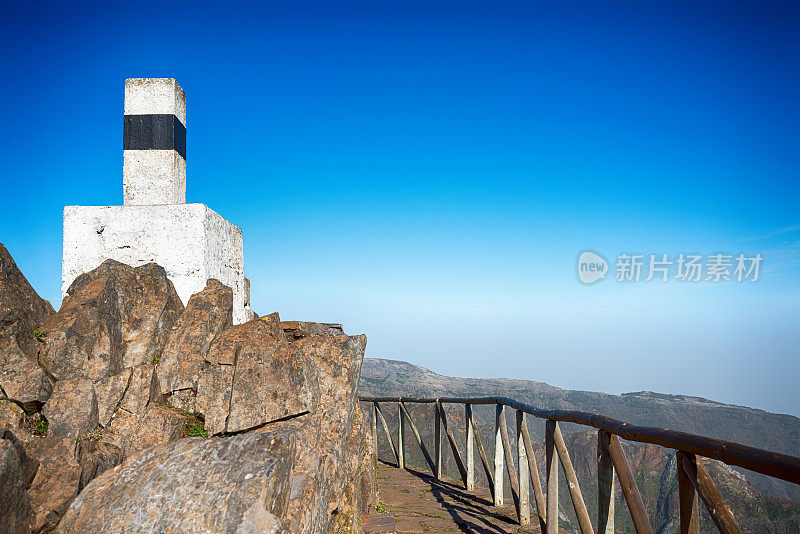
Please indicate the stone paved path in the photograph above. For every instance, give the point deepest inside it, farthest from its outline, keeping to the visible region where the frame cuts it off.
(420, 503)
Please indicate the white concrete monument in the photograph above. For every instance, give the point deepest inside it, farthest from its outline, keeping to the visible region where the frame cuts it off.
(155, 224)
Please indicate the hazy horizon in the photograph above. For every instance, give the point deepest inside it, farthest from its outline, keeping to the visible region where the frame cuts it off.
(429, 174)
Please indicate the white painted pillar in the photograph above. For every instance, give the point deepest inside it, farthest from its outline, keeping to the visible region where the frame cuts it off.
(154, 142)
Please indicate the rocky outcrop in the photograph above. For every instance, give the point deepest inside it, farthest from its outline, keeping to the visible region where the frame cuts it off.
(121, 375)
(15, 507)
(113, 317)
(72, 409)
(184, 358)
(234, 484)
(293, 392)
(21, 379)
(22, 313)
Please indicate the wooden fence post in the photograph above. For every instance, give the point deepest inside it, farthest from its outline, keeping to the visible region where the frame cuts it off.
(551, 458)
(689, 503)
(418, 437)
(470, 452)
(437, 438)
(375, 433)
(574, 487)
(499, 475)
(605, 485)
(401, 438)
(717, 508)
(541, 507)
(629, 488)
(523, 473)
(386, 430)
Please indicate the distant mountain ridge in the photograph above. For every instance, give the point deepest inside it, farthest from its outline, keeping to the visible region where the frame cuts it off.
(749, 426)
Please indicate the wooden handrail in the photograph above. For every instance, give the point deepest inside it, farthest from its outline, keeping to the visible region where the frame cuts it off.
(693, 478)
(774, 464)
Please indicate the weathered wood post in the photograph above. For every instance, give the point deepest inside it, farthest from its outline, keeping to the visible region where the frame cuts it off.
(401, 438)
(605, 485)
(717, 508)
(687, 496)
(551, 457)
(523, 473)
(499, 475)
(375, 433)
(469, 431)
(437, 438)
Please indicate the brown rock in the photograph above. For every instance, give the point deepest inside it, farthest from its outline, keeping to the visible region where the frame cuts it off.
(110, 391)
(142, 389)
(28, 464)
(21, 378)
(297, 330)
(57, 481)
(72, 409)
(207, 314)
(214, 396)
(156, 425)
(250, 379)
(113, 317)
(332, 479)
(22, 310)
(168, 488)
(95, 458)
(15, 507)
(10, 415)
(140, 419)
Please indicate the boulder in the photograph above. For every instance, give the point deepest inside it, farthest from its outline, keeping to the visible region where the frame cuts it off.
(113, 317)
(254, 375)
(249, 379)
(95, 458)
(22, 310)
(110, 391)
(142, 390)
(156, 424)
(295, 330)
(233, 484)
(10, 415)
(15, 507)
(57, 481)
(207, 314)
(141, 419)
(21, 378)
(28, 464)
(333, 476)
(72, 409)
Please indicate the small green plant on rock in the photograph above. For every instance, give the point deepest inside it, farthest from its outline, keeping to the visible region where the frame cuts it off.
(380, 507)
(196, 431)
(41, 427)
(39, 335)
(156, 359)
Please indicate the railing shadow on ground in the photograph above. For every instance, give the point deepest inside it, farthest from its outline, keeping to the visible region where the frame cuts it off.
(470, 512)
(694, 482)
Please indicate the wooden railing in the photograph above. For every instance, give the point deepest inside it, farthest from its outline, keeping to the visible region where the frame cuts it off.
(693, 478)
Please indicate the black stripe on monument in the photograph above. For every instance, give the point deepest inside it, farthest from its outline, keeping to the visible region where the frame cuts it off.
(154, 132)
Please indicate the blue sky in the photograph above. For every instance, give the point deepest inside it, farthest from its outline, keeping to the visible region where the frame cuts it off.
(428, 173)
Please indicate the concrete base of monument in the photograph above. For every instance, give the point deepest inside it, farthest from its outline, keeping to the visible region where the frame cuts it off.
(192, 242)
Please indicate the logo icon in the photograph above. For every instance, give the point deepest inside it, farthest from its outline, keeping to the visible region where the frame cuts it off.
(591, 267)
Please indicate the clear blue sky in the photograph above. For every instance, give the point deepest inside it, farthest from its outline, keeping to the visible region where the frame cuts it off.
(427, 173)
